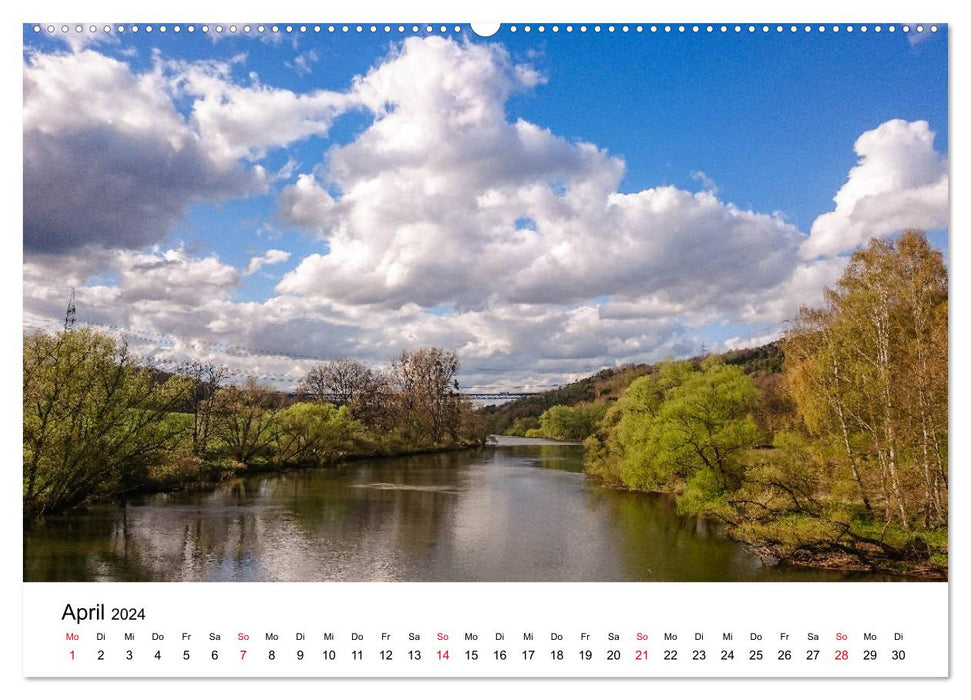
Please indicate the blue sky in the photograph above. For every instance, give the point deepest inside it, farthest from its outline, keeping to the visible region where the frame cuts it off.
(740, 108)
(545, 203)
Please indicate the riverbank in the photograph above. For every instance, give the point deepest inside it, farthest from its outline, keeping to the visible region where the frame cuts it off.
(914, 555)
(212, 473)
(919, 555)
(832, 560)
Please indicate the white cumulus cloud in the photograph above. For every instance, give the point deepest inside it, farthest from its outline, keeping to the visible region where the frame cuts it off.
(900, 181)
(270, 257)
(443, 200)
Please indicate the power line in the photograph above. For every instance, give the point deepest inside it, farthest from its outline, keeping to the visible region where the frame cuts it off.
(157, 338)
(170, 364)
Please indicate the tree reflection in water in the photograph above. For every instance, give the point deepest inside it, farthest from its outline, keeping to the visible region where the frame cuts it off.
(506, 513)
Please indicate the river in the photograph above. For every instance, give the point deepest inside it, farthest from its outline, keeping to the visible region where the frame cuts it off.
(519, 511)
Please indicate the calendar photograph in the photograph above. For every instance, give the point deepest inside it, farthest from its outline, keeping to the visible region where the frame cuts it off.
(451, 303)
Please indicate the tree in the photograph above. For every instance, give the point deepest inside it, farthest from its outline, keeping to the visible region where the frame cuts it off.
(313, 434)
(705, 421)
(680, 429)
(870, 368)
(346, 382)
(816, 375)
(207, 378)
(569, 422)
(428, 406)
(93, 420)
(244, 421)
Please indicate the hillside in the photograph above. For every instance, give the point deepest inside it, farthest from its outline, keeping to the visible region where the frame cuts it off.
(608, 384)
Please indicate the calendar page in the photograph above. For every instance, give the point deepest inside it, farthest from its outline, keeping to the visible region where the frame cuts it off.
(437, 349)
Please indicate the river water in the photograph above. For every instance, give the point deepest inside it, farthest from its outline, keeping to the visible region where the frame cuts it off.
(519, 511)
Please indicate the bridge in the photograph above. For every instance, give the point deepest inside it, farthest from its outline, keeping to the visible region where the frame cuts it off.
(500, 395)
(475, 395)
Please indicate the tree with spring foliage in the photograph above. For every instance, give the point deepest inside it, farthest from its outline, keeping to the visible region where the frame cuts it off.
(93, 420)
(314, 434)
(244, 421)
(868, 372)
(569, 422)
(680, 429)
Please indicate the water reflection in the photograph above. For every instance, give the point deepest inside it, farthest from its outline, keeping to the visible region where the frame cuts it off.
(514, 512)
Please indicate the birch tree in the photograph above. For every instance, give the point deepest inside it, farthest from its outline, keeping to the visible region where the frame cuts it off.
(869, 370)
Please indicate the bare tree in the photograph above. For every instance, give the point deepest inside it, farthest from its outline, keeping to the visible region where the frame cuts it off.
(426, 392)
(207, 378)
(346, 382)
